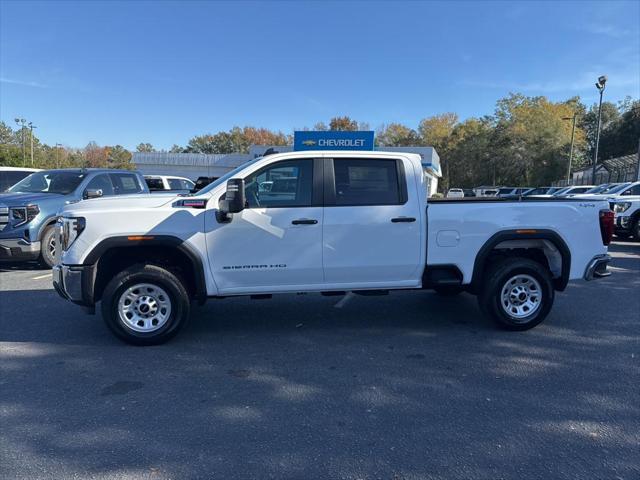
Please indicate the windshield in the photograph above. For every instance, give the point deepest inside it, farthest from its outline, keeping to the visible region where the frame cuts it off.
(49, 182)
(537, 191)
(503, 191)
(225, 177)
(618, 188)
(562, 190)
(598, 189)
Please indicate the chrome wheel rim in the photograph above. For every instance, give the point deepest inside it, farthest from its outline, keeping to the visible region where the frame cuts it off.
(144, 307)
(521, 296)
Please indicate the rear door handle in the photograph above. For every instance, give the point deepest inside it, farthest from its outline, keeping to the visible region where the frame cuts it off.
(304, 221)
(403, 220)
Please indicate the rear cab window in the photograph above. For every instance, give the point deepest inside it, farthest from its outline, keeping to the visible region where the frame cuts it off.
(364, 181)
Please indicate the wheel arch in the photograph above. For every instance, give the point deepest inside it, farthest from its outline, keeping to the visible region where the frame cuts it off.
(46, 223)
(113, 254)
(534, 240)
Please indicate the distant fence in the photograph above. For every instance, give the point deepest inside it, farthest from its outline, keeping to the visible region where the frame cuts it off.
(613, 170)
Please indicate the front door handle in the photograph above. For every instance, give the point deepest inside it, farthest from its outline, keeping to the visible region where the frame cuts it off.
(403, 220)
(304, 221)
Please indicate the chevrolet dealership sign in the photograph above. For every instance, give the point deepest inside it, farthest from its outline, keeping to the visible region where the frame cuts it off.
(333, 140)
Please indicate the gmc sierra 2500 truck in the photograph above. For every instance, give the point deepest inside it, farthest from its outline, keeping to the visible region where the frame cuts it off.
(328, 222)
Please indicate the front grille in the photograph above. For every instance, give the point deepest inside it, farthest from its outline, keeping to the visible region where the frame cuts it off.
(4, 217)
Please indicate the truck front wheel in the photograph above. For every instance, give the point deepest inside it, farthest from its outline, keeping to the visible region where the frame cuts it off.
(517, 294)
(145, 305)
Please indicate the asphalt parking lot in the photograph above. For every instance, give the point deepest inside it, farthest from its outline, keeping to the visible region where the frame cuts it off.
(406, 386)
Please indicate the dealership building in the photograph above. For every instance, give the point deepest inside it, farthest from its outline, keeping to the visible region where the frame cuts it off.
(194, 165)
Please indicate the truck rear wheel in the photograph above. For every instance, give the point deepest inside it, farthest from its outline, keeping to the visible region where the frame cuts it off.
(517, 293)
(145, 305)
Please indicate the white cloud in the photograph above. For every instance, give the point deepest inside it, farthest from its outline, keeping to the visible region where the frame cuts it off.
(12, 81)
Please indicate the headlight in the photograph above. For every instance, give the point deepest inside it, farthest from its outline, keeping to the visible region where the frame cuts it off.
(24, 214)
(70, 230)
(621, 207)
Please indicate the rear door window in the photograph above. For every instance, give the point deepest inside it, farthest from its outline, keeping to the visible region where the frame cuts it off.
(368, 182)
(125, 183)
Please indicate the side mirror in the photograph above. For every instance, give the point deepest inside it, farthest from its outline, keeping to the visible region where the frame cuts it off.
(234, 200)
(235, 195)
(92, 193)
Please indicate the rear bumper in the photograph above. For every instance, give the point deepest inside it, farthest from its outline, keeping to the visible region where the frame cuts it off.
(597, 267)
(18, 249)
(75, 283)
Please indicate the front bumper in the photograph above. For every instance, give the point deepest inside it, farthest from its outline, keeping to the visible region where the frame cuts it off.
(75, 283)
(18, 249)
(597, 267)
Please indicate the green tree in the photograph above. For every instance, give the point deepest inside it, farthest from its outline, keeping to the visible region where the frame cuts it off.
(621, 136)
(118, 157)
(6, 134)
(397, 135)
(144, 147)
(530, 141)
(589, 121)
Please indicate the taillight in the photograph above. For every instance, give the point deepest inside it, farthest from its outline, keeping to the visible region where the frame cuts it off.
(607, 220)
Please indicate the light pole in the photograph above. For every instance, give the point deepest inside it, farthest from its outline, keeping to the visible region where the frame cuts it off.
(600, 84)
(573, 134)
(21, 122)
(31, 127)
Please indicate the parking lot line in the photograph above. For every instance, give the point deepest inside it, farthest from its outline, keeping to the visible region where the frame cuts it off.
(42, 276)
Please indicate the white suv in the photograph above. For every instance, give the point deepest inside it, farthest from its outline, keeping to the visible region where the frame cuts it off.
(166, 183)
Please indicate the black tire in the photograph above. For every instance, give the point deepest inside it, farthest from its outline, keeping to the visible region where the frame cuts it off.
(635, 229)
(448, 290)
(47, 256)
(163, 281)
(497, 278)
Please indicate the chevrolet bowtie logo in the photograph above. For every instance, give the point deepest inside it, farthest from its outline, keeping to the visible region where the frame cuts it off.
(309, 143)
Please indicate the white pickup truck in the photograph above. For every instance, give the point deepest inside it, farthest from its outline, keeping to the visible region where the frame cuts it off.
(329, 222)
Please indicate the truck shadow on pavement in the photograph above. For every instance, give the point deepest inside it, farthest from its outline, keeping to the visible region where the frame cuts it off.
(406, 386)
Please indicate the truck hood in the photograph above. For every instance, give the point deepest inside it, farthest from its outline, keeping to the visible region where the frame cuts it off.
(22, 199)
(122, 202)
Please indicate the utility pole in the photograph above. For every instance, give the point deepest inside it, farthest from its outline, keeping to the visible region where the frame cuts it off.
(21, 122)
(31, 127)
(573, 134)
(58, 145)
(600, 84)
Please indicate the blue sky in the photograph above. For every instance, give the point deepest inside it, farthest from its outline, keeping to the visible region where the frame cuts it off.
(129, 72)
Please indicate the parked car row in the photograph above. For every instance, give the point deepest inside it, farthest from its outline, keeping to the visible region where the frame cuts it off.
(627, 217)
(604, 190)
(29, 209)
